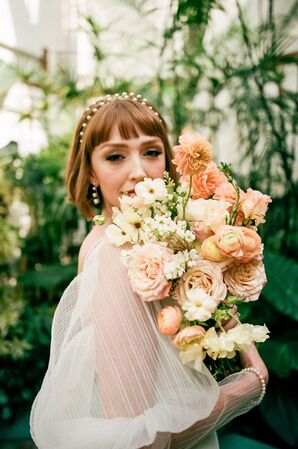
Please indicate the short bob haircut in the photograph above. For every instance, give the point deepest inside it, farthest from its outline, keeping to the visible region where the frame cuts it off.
(131, 117)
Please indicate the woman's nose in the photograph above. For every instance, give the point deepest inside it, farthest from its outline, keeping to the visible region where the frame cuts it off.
(137, 170)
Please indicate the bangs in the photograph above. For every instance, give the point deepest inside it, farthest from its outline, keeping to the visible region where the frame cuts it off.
(131, 119)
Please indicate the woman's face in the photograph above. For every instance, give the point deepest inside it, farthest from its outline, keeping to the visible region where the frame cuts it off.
(119, 164)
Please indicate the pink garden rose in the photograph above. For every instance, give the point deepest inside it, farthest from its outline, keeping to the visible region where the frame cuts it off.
(146, 271)
(193, 154)
(254, 205)
(205, 275)
(205, 182)
(247, 280)
(239, 242)
(188, 336)
(169, 319)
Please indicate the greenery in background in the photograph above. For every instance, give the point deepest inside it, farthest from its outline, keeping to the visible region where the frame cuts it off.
(246, 67)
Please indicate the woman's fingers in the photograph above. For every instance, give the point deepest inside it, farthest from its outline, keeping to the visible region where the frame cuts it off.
(230, 323)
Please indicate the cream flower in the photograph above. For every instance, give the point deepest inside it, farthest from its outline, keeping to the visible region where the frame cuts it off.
(126, 227)
(116, 235)
(151, 190)
(246, 334)
(241, 336)
(247, 280)
(260, 333)
(127, 202)
(146, 271)
(207, 215)
(218, 346)
(194, 353)
(198, 305)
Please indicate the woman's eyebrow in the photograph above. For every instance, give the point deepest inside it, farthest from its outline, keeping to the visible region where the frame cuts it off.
(150, 141)
(123, 144)
(115, 144)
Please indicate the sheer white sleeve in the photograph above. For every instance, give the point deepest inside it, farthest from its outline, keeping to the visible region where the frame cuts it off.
(113, 382)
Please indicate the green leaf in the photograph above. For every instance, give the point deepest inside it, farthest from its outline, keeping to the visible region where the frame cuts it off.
(281, 355)
(281, 288)
(49, 276)
(279, 409)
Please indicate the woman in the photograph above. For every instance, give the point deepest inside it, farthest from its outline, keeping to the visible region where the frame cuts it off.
(113, 381)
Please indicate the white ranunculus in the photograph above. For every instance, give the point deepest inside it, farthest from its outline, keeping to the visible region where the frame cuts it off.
(151, 190)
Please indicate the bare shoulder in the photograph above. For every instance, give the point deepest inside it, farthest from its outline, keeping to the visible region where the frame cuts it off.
(96, 233)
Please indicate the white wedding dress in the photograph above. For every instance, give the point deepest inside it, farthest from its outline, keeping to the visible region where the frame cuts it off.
(114, 382)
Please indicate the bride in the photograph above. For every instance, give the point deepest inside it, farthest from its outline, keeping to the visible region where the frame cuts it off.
(113, 381)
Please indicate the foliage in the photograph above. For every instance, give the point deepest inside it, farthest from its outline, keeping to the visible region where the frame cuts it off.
(35, 268)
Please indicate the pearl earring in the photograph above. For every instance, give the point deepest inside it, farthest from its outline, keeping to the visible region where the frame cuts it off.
(96, 199)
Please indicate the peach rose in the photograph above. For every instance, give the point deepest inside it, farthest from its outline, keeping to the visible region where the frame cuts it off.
(146, 271)
(239, 242)
(205, 182)
(205, 275)
(169, 319)
(193, 154)
(226, 192)
(247, 280)
(188, 336)
(254, 205)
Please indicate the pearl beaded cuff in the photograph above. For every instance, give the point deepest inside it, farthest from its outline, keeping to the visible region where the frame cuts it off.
(250, 369)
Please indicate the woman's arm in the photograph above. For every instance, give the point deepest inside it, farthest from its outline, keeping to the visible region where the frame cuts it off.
(239, 393)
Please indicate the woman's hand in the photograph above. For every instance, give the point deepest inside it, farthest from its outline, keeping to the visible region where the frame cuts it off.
(232, 322)
(252, 358)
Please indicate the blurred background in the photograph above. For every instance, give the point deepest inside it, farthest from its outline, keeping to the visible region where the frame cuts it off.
(226, 68)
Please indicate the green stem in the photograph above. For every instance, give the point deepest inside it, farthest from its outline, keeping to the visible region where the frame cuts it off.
(234, 318)
(234, 211)
(188, 196)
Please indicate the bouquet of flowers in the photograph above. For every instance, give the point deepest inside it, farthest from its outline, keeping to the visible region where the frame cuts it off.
(194, 246)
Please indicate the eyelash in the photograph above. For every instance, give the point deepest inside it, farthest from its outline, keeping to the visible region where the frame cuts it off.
(118, 157)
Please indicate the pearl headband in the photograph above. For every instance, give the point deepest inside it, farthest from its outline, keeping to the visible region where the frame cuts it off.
(101, 101)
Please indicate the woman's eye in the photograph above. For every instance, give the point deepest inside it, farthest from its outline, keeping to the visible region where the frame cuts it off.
(114, 157)
(153, 153)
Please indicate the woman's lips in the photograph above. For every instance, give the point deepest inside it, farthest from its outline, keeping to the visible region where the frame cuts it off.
(129, 192)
